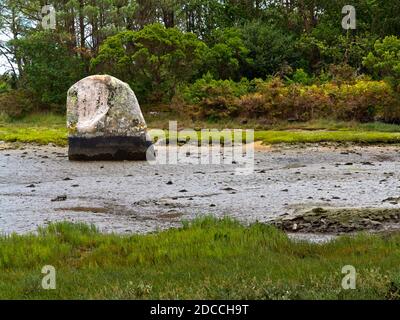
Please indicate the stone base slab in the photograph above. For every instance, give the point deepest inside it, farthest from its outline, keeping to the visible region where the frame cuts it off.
(109, 148)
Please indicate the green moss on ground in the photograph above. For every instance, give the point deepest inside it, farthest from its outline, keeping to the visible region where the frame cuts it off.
(292, 137)
(37, 128)
(49, 128)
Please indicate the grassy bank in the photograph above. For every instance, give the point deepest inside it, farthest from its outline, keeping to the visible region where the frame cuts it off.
(208, 259)
(38, 128)
(44, 129)
(292, 137)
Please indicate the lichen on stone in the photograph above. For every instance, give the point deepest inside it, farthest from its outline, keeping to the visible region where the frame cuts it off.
(102, 105)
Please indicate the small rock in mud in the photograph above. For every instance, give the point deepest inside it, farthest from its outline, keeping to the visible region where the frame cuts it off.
(367, 163)
(228, 189)
(340, 220)
(392, 200)
(59, 198)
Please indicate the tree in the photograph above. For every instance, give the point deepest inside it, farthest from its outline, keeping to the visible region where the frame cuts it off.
(49, 69)
(227, 57)
(270, 49)
(384, 61)
(154, 60)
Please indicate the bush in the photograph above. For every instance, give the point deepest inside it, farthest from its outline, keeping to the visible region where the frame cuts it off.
(364, 101)
(214, 99)
(154, 60)
(384, 61)
(16, 103)
(227, 56)
(269, 48)
(301, 77)
(3, 87)
(273, 100)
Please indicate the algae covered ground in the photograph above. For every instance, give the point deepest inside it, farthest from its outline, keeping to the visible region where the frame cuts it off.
(207, 259)
(39, 129)
(49, 128)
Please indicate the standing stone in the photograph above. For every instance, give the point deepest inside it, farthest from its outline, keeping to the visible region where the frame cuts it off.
(105, 121)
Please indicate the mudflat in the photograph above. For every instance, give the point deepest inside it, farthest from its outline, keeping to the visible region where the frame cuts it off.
(38, 185)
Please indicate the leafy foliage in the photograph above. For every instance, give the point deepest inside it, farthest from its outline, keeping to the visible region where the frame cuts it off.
(384, 61)
(273, 101)
(159, 46)
(154, 60)
(271, 49)
(49, 69)
(228, 56)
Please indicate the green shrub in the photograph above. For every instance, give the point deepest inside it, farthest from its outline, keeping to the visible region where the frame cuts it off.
(384, 61)
(273, 100)
(16, 103)
(3, 87)
(227, 56)
(215, 99)
(154, 60)
(301, 77)
(270, 48)
(342, 73)
(49, 67)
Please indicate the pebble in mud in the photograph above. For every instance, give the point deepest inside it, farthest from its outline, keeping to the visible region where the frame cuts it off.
(59, 198)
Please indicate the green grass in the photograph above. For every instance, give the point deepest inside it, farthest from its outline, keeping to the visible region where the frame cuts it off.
(49, 128)
(371, 137)
(36, 128)
(209, 259)
(333, 125)
(37, 135)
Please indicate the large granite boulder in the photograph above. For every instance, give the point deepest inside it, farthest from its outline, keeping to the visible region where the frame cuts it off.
(105, 121)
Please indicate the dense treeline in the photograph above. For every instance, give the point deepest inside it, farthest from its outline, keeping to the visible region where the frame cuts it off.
(171, 50)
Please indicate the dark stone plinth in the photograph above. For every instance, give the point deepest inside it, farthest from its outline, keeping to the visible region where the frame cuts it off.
(109, 148)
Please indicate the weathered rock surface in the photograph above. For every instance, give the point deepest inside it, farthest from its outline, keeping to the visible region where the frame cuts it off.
(105, 121)
(340, 220)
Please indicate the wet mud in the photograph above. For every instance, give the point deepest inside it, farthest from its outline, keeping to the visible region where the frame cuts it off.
(38, 185)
